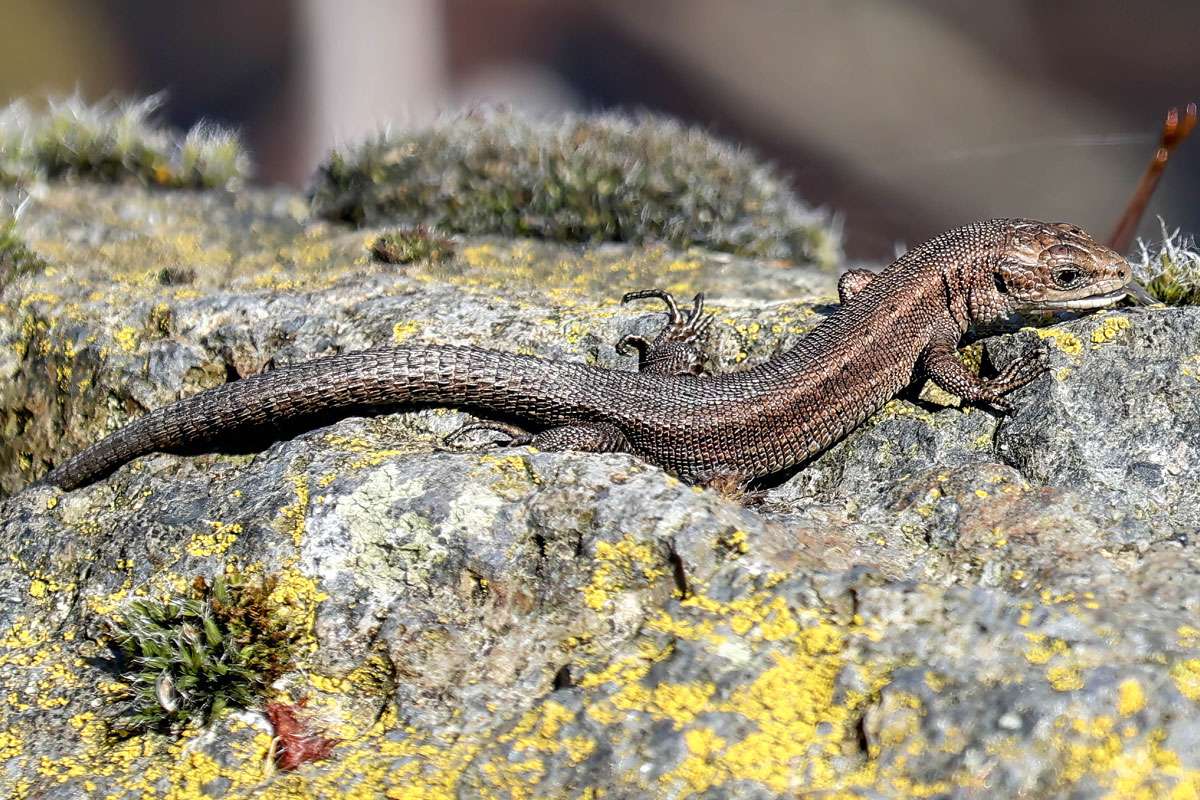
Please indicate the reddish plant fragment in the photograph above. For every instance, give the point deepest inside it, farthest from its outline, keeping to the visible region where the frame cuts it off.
(1174, 131)
(296, 744)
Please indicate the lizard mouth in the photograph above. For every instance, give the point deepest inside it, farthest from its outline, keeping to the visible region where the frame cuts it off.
(1080, 303)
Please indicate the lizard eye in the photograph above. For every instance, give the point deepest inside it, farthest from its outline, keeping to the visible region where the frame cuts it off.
(1068, 276)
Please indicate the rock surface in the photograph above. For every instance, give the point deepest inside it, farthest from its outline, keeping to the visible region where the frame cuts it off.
(945, 604)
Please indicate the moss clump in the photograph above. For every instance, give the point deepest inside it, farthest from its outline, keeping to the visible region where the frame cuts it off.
(1170, 271)
(580, 178)
(16, 259)
(411, 244)
(113, 141)
(176, 276)
(186, 660)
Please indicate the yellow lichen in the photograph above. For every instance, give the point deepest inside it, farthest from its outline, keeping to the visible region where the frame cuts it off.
(1109, 329)
(734, 542)
(509, 476)
(1188, 636)
(12, 743)
(1064, 340)
(1186, 675)
(1127, 768)
(294, 515)
(404, 330)
(1041, 651)
(295, 597)
(1130, 697)
(215, 542)
(621, 566)
(1064, 678)
(127, 337)
(701, 768)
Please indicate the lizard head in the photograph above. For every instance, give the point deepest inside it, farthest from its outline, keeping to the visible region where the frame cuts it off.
(1055, 266)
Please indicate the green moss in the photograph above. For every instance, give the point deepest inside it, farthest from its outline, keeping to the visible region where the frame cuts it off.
(113, 141)
(411, 244)
(176, 276)
(185, 660)
(16, 259)
(579, 178)
(1171, 270)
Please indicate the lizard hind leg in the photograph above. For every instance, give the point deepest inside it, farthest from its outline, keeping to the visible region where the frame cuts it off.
(588, 437)
(852, 282)
(678, 348)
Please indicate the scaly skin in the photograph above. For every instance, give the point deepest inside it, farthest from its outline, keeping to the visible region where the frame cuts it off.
(893, 326)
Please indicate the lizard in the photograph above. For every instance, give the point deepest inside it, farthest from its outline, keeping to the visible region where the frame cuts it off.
(892, 327)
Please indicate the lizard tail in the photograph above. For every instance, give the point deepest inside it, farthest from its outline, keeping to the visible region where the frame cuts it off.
(541, 392)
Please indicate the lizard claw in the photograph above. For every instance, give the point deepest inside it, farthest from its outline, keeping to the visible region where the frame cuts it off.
(673, 315)
(633, 345)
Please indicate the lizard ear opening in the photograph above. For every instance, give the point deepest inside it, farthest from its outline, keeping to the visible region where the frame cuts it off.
(1001, 285)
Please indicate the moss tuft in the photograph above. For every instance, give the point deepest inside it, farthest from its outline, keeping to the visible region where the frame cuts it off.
(580, 178)
(1170, 271)
(113, 141)
(16, 259)
(176, 276)
(411, 244)
(186, 660)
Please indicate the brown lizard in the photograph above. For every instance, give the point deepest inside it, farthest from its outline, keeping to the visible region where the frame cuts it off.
(893, 326)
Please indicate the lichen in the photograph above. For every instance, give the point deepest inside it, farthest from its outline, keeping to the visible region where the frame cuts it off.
(1062, 339)
(621, 566)
(1186, 675)
(582, 178)
(1131, 698)
(1110, 328)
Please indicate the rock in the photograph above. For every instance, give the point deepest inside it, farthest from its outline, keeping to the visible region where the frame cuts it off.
(1118, 416)
(947, 603)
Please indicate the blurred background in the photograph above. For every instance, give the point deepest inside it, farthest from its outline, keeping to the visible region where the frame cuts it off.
(905, 118)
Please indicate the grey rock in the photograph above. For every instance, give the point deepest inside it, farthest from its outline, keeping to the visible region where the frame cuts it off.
(948, 603)
(1119, 416)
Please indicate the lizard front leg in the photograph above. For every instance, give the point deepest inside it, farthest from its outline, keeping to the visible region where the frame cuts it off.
(677, 350)
(941, 363)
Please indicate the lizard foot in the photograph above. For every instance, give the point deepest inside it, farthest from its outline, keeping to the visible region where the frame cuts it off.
(1017, 373)
(588, 437)
(677, 348)
(731, 486)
